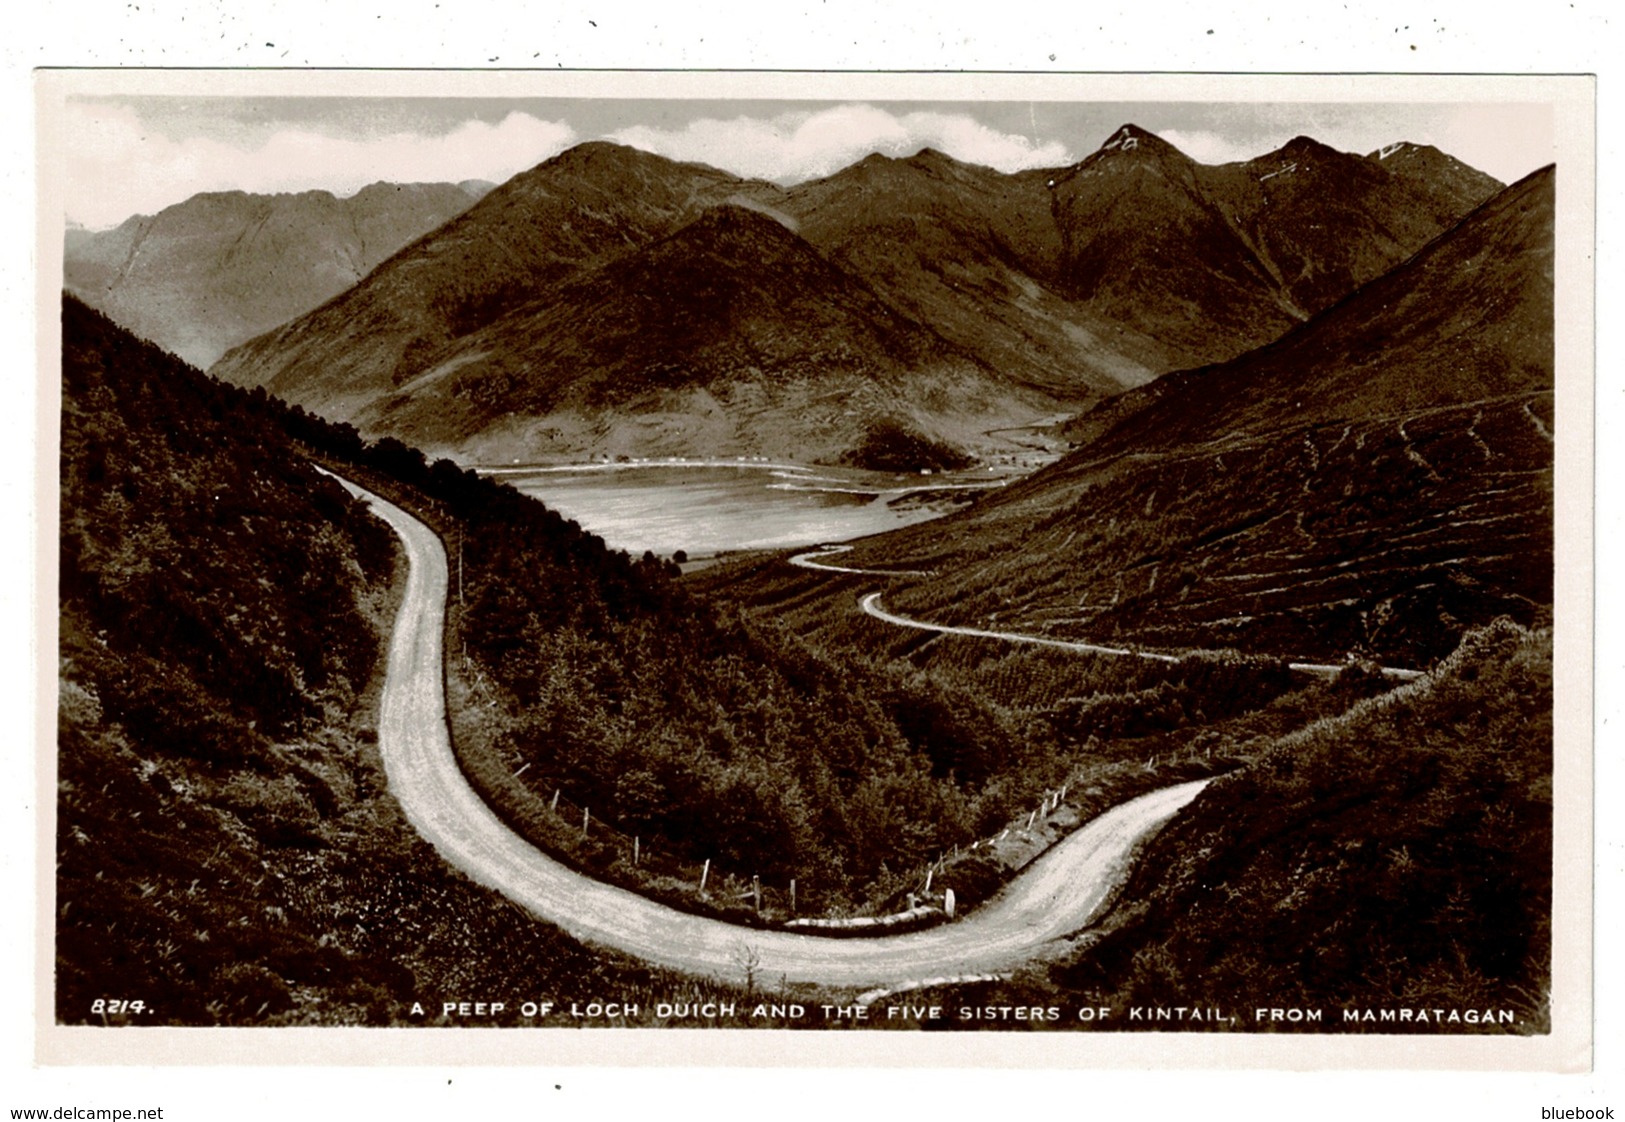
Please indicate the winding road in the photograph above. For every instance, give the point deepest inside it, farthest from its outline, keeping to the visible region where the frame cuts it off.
(817, 560)
(871, 606)
(1051, 899)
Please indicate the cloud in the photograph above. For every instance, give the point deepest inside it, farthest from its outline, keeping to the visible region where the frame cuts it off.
(118, 166)
(1212, 148)
(797, 146)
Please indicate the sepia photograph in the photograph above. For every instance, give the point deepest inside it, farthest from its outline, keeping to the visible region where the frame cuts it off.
(1077, 562)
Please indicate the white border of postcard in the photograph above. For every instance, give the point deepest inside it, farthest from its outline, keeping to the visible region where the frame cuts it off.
(1566, 1049)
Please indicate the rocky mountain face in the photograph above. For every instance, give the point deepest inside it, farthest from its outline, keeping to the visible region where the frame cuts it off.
(568, 313)
(1221, 259)
(207, 274)
(976, 255)
(1372, 483)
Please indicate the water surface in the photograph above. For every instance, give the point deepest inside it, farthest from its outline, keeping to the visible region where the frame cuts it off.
(709, 508)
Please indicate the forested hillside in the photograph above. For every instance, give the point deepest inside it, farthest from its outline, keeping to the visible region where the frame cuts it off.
(227, 849)
(1396, 857)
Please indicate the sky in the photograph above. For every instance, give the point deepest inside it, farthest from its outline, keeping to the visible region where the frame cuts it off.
(137, 154)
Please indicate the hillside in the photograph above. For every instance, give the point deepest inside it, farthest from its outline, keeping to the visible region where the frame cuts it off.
(1441, 175)
(1370, 486)
(1044, 292)
(227, 848)
(206, 274)
(1390, 868)
(732, 335)
(579, 210)
(223, 610)
(1468, 319)
(975, 254)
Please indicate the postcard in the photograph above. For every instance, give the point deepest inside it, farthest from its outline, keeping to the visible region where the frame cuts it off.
(721, 569)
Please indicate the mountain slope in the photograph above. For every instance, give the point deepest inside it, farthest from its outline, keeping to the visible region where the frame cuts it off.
(1373, 483)
(577, 210)
(1221, 259)
(206, 274)
(1144, 244)
(733, 333)
(1437, 177)
(1469, 318)
(975, 254)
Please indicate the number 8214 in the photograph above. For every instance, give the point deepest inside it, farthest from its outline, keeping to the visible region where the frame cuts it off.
(117, 1005)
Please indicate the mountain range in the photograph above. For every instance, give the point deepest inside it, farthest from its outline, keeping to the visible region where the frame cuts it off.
(216, 270)
(574, 310)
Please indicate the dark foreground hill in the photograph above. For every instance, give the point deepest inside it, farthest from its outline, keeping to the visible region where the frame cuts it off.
(206, 274)
(1023, 296)
(227, 848)
(1385, 871)
(1371, 485)
(1396, 857)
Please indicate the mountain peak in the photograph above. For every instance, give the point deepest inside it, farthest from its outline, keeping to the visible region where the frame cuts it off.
(731, 217)
(1423, 163)
(1402, 148)
(875, 160)
(589, 149)
(1303, 147)
(1142, 147)
(1132, 137)
(599, 157)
